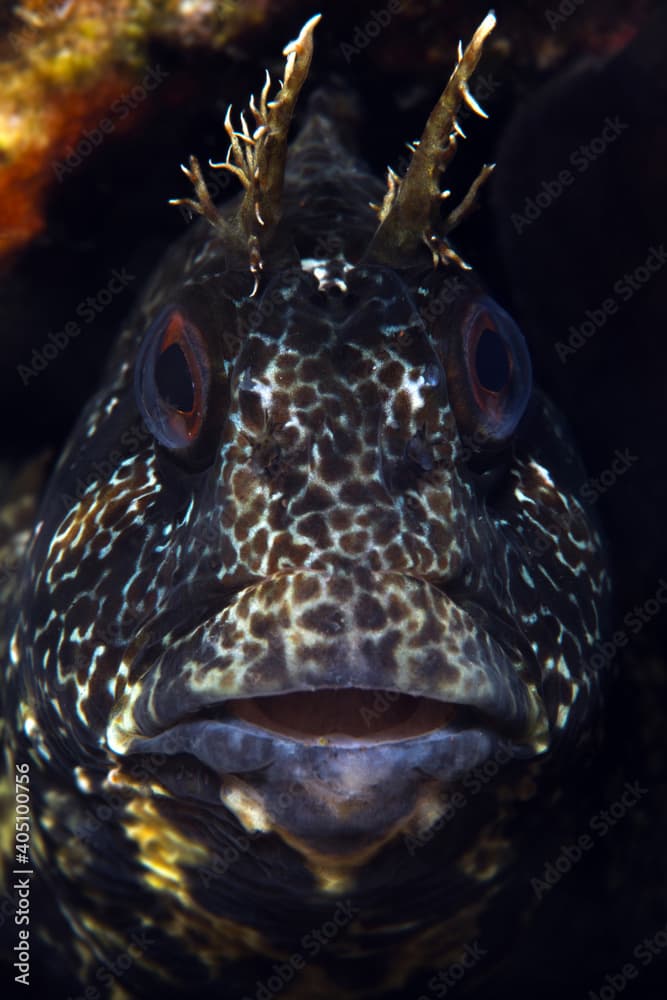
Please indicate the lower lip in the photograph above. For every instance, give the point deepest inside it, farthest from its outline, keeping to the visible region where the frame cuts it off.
(438, 740)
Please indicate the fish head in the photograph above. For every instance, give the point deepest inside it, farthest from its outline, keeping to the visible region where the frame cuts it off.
(317, 536)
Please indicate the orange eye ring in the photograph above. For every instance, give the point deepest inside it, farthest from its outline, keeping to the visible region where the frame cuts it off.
(490, 374)
(173, 379)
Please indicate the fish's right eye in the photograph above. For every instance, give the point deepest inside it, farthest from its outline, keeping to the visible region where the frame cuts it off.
(173, 380)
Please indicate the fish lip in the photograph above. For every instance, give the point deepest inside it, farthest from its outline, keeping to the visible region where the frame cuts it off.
(235, 747)
(513, 711)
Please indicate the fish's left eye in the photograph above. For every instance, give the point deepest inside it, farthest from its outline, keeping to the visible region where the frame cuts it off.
(489, 373)
(172, 380)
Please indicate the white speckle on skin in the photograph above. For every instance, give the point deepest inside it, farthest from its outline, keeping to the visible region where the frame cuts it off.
(321, 269)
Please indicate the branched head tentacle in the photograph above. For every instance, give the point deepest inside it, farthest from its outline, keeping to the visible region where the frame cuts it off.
(257, 157)
(410, 212)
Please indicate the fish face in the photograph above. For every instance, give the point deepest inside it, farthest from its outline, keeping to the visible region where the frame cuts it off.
(316, 572)
(312, 555)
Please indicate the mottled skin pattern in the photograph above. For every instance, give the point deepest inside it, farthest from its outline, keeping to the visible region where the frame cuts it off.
(337, 524)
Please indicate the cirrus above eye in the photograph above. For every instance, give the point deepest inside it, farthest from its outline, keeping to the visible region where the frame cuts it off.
(489, 373)
(172, 379)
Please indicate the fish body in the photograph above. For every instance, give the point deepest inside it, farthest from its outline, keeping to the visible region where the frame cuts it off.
(312, 561)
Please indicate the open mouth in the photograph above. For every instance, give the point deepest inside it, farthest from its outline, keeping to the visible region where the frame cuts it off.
(331, 702)
(348, 716)
(342, 737)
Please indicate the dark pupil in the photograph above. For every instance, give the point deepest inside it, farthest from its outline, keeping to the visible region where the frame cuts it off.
(174, 380)
(492, 361)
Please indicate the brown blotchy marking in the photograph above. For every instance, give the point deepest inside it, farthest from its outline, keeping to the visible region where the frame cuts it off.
(314, 526)
(243, 526)
(306, 588)
(341, 519)
(257, 354)
(252, 410)
(441, 505)
(292, 482)
(261, 625)
(385, 527)
(311, 370)
(346, 442)
(363, 494)
(368, 396)
(272, 667)
(315, 498)
(326, 619)
(369, 613)
(304, 396)
(285, 379)
(382, 652)
(279, 588)
(437, 536)
(354, 542)
(260, 542)
(277, 516)
(333, 467)
(244, 485)
(288, 359)
(280, 405)
(340, 587)
(391, 374)
(374, 560)
(430, 632)
(396, 609)
(285, 550)
(434, 668)
(395, 555)
(402, 408)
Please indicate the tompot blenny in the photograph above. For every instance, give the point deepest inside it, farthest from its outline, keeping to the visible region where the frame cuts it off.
(293, 668)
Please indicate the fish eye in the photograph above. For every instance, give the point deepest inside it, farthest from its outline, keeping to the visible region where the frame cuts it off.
(172, 379)
(490, 377)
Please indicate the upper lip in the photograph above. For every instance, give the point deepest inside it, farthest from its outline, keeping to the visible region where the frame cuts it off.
(187, 698)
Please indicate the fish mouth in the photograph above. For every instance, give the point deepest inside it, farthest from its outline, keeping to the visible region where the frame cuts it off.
(347, 717)
(331, 702)
(304, 729)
